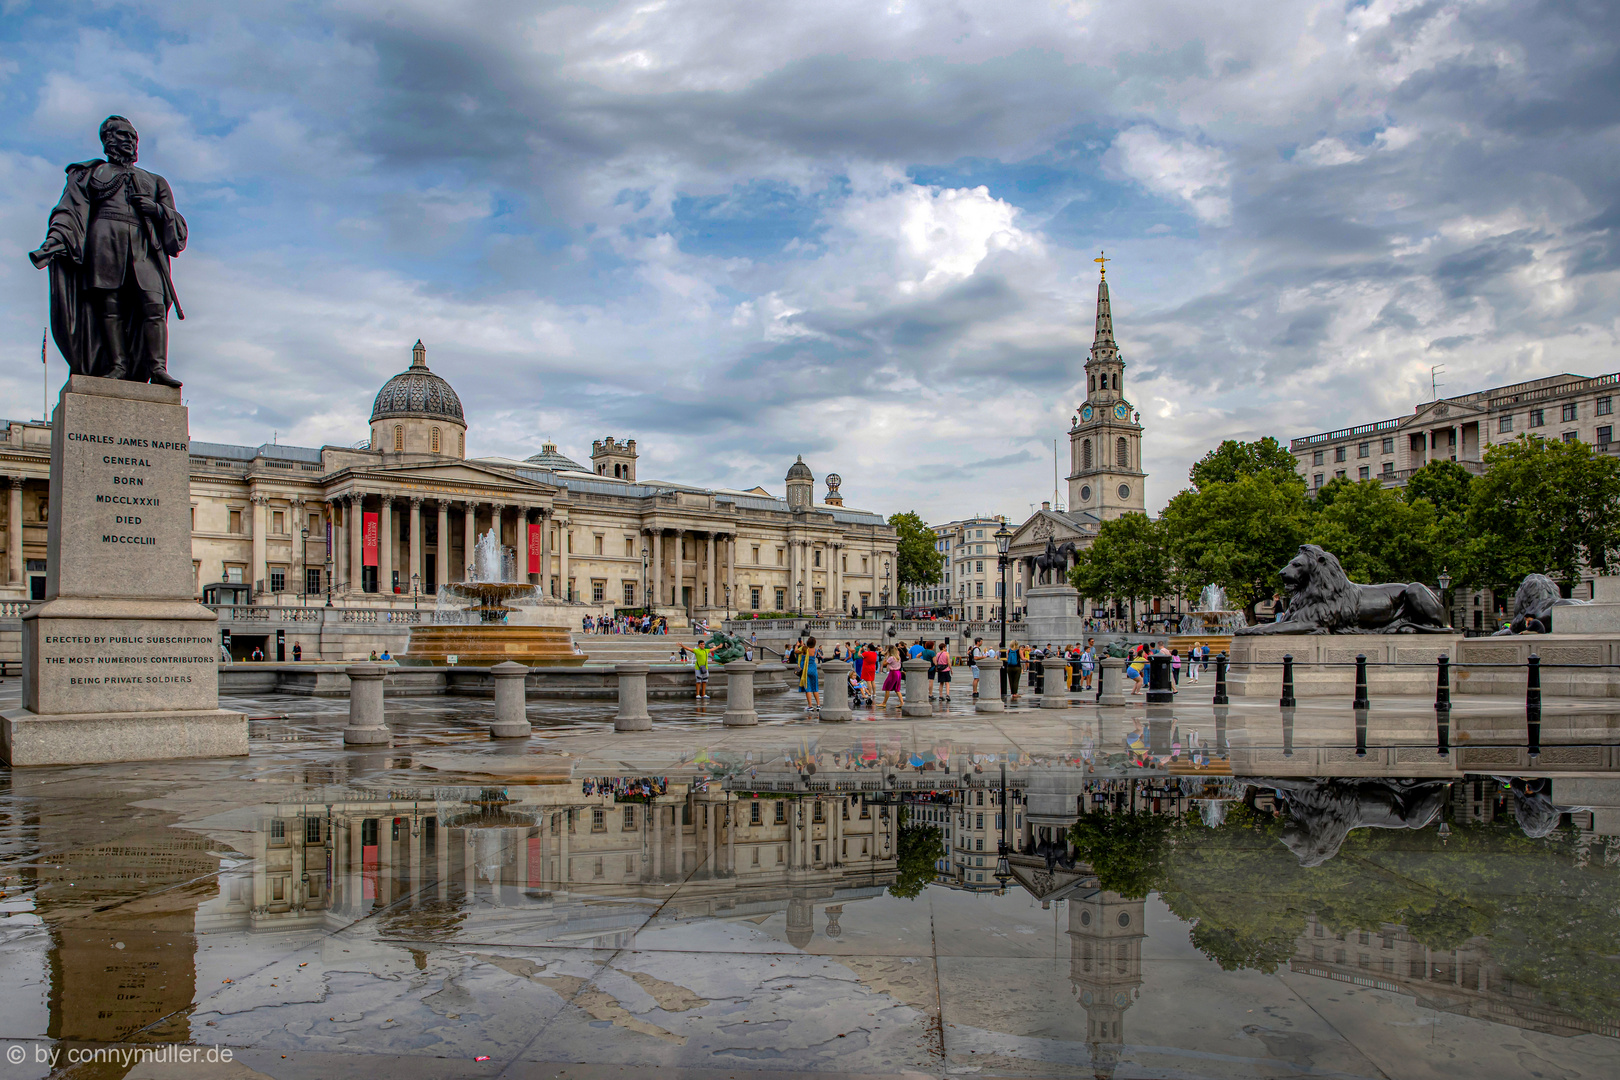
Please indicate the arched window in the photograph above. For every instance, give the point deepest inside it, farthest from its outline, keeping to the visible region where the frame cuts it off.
(1122, 454)
(462, 444)
(1085, 454)
(1092, 382)
(1116, 380)
(433, 440)
(399, 436)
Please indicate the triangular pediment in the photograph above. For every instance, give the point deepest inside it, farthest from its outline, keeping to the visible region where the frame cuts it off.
(1048, 524)
(449, 476)
(1054, 884)
(1431, 412)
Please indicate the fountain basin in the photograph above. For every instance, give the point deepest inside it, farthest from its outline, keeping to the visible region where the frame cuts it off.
(487, 644)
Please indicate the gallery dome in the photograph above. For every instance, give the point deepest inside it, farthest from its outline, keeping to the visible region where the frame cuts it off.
(417, 392)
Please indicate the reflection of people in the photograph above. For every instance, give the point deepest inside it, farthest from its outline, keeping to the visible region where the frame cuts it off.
(108, 246)
(1323, 812)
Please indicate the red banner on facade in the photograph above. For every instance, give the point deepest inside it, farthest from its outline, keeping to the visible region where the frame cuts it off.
(368, 539)
(534, 548)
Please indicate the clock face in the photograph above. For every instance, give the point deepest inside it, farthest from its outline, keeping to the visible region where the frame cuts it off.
(1085, 493)
(1124, 491)
(1122, 410)
(1086, 413)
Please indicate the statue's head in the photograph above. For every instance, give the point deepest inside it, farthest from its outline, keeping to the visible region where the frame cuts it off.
(118, 140)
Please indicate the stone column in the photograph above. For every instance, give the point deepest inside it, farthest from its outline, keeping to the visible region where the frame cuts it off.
(562, 847)
(469, 533)
(731, 837)
(511, 717)
(740, 694)
(385, 547)
(416, 541)
(655, 550)
(545, 553)
(834, 691)
(296, 509)
(835, 598)
(441, 571)
(1056, 692)
(14, 533)
(366, 726)
(916, 701)
(495, 526)
(711, 582)
(354, 522)
(731, 574)
(335, 549)
(711, 850)
(989, 687)
(562, 558)
(523, 567)
(261, 575)
(632, 715)
(680, 566)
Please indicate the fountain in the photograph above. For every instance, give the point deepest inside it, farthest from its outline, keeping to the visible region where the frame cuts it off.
(483, 633)
(1211, 618)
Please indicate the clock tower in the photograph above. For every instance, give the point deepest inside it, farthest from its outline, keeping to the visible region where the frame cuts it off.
(1105, 444)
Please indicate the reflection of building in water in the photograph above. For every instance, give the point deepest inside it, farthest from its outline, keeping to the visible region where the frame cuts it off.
(1105, 965)
(516, 847)
(1466, 980)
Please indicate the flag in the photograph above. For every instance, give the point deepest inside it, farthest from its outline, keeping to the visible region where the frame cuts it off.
(42, 334)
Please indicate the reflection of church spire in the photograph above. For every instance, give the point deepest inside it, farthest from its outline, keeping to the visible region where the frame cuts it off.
(1105, 966)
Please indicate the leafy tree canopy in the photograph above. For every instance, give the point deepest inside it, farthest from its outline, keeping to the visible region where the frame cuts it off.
(1129, 560)
(918, 562)
(1542, 507)
(1233, 460)
(920, 846)
(1237, 534)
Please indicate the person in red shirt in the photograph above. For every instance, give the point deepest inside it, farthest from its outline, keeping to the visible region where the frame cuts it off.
(869, 665)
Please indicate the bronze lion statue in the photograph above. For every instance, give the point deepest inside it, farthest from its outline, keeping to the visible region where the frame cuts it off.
(1533, 606)
(1323, 600)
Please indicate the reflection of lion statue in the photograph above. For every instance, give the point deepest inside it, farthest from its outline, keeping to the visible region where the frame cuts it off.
(1537, 596)
(1322, 812)
(1323, 600)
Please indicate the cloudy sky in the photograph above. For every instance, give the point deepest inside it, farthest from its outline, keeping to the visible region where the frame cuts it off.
(861, 231)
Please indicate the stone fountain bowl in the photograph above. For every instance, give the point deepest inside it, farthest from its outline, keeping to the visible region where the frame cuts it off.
(490, 593)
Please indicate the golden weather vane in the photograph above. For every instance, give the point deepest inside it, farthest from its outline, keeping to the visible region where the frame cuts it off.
(1102, 260)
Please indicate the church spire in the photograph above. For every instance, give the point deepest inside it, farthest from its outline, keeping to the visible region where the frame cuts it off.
(1105, 317)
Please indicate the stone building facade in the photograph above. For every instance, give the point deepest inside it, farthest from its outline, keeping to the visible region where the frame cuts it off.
(386, 523)
(1573, 408)
(970, 586)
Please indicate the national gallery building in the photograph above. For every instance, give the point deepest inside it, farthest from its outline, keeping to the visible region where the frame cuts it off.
(387, 523)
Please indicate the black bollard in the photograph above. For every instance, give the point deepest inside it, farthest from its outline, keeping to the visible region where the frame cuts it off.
(1288, 732)
(1442, 684)
(1220, 680)
(1442, 732)
(1287, 701)
(1100, 670)
(1361, 732)
(1159, 691)
(1532, 706)
(1361, 683)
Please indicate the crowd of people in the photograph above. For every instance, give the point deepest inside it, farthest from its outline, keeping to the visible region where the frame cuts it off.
(625, 624)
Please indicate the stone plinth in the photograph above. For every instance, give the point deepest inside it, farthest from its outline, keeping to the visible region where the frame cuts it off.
(989, 687)
(632, 714)
(511, 713)
(1111, 680)
(366, 723)
(1054, 688)
(119, 662)
(1052, 617)
(835, 691)
(740, 694)
(1325, 664)
(914, 702)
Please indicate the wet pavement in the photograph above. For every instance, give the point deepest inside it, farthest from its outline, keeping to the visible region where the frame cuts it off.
(1191, 892)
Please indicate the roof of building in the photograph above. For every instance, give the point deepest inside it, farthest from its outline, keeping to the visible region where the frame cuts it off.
(272, 451)
(799, 470)
(550, 458)
(417, 392)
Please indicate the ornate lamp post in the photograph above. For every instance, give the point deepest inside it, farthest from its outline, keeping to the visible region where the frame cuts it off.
(303, 565)
(800, 608)
(1003, 866)
(646, 600)
(1445, 584)
(1003, 542)
(416, 582)
(328, 575)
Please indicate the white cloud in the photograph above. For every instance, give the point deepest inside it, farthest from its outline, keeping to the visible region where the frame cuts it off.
(1176, 168)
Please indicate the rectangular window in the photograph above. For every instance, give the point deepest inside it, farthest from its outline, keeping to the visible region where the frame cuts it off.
(598, 819)
(816, 600)
(629, 817)
(781, 599)
(599, 545)
(312, 830)
(1338, 453)
(1605, 435)
(278, 829)
(1389, 468)
(598, 591)
(980, 595)
(1389, 445)
(1364, 449)
(815, 557)
(1505, 424)
(1538, 417)
(236, 521)
(1569, 436)
(1316, 458)
(1316, 481)
(1364, 473)
(779, 557)
(233, 575)
(629, 594)
(753, 597)
(756, 554)
(278, 581)
(1338, 474)
(312, 580)
(278, 522)
(754, 815)
(781, 812)
(1570, 413)
(1603, 406)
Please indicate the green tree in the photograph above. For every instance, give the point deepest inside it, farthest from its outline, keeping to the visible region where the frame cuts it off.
(1237, 534)
(918, 561)
(918, 849)
(1542, 507)
(1233, 460)
(1129, 560)
(1377, 535)
(1443, 484)
(1128, 852)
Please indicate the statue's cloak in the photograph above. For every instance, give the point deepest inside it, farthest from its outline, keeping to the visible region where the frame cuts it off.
(74, 327)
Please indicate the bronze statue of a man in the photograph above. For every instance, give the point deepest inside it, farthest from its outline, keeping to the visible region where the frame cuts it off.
(109, 244)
